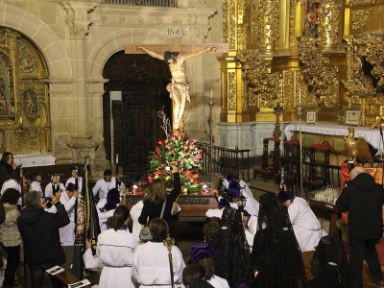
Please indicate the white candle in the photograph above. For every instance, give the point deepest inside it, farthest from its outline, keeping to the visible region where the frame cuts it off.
(21, 120)
(211, 95)
(300, 97)
(117, 158)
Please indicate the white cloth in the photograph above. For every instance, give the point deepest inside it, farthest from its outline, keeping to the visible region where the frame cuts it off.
(371, 135)
(151, 265)
(48, 191)
(251, 230)
(114, 253)
(135, 213)
(218, 282)
(10, 184)
(305, 224)
(103, 216)
(102, 187)
(67, 233)
(73, 180)
(36, 186)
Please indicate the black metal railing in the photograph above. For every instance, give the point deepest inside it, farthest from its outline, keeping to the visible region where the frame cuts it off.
(157, 3)
(225, 161)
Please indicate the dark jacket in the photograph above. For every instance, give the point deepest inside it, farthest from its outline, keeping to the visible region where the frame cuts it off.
(2, 212)
(363, 200)
(6, 173)
(40, 233)
(153, 210)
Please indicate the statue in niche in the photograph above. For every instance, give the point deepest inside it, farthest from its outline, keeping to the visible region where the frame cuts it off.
(313, 11)
(178, 88)
(30, 104)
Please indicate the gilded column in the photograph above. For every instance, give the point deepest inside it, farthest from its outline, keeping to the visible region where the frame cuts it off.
(234, 103)
(331, 24)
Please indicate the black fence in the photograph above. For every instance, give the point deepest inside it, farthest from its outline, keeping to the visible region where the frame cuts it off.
(225, 161)
(157, 3)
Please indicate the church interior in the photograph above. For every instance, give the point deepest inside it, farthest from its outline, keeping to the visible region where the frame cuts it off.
(280, 94)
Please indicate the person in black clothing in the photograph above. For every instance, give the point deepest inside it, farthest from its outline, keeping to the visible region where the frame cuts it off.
(155, 199)
(330, 267)
(7, 168)
(363, 200)
(276, 257)
(40, 233)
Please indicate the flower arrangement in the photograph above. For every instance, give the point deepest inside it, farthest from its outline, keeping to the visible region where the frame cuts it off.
(182, 155)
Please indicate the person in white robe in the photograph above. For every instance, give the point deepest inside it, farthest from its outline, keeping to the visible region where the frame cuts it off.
(75, 178)
(251, 204)
(104, 185)
(209, 267)
(67, 233)
(250, 221)
(10, 184)
(106, 208)
(151, 266)
(307, 228)
(135, 213)
(36, 184)
(114, 253)
(54, 186)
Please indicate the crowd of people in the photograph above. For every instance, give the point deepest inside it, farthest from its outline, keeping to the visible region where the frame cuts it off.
(246, 242)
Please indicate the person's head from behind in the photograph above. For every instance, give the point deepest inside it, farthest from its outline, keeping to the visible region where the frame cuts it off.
(356, 171)
(211, 231)
(113, 199)
(120, 218)
(192, 273)
(107, 175)
(10, 196)
(159, 229)
(272, 213)
(285, 198)
(209, 267)
(32, 199)
(157, 192)
(329, 263)
(234, 191)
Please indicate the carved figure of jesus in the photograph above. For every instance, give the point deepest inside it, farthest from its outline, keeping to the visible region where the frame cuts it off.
(178, 88)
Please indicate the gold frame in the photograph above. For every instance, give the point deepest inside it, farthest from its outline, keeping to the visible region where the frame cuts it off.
(311, 117)
(351, 118)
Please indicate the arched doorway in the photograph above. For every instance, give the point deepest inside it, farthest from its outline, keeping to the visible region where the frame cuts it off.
(24, 102)
(141, 83)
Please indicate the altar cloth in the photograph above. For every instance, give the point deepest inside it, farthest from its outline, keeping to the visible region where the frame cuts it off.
(33, 160)
(372, 136)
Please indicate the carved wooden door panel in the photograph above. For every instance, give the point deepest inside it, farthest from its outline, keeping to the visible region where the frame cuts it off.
(137, 128)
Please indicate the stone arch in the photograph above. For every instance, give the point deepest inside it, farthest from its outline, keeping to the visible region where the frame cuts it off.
(55, 55)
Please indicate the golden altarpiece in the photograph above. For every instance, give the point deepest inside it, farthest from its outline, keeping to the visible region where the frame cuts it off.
(324, 55)
(24, 105)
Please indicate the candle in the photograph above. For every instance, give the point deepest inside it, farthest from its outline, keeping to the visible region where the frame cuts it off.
(300, 97)
(117, 159)
(281, 88)
(211, 94)
(21, 120)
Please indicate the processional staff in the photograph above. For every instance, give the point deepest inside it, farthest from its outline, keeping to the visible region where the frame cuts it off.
(169, 242)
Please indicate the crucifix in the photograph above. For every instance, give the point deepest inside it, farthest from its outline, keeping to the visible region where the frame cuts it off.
(178, 87)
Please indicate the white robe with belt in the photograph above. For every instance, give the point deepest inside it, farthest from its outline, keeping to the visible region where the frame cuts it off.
(151, 265)
(306, 226)
(115, 254)
(135, 213)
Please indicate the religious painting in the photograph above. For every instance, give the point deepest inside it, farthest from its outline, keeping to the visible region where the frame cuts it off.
(29, 100)
(381, 110)
(311, 117)
(312, 10)
(7, 109)
(352, 117)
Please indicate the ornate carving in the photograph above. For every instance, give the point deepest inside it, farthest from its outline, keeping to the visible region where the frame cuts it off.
(359, 18)
(260, 85)
(320, 77)
(369, 46)
(231, 90)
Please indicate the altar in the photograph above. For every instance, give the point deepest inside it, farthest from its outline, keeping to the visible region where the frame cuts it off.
(332, 135)
(34, 160)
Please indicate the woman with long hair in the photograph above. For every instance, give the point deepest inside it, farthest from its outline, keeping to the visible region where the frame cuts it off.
(10, 235)
(276, 257)
(106, 208)
(114, 252)
(157, 195)
(7, 168)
